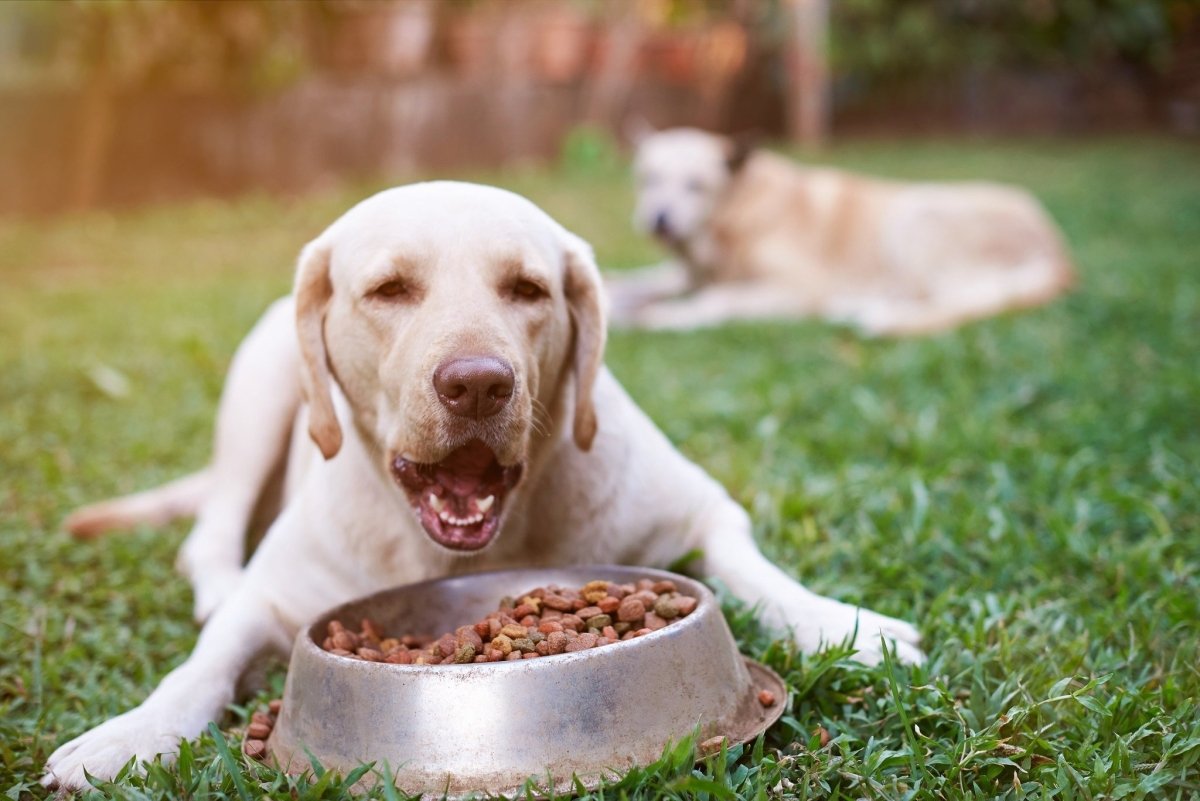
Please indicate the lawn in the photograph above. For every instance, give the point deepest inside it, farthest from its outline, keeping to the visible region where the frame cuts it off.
(1025, 489)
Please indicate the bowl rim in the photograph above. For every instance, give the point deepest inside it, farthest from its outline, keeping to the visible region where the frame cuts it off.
(308, 635)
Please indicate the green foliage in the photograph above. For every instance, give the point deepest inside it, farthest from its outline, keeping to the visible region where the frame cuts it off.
(1025, 489)
(921, 39)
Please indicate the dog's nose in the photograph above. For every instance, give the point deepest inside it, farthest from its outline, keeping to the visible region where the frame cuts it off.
(661, 226)
(474, 386)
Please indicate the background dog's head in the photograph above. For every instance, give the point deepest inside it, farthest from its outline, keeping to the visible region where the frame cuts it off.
(453, 317)
(681, 174)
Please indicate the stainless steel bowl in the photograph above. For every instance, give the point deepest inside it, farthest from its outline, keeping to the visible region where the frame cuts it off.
(487, 728)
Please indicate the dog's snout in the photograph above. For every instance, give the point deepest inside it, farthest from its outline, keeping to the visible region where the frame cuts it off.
(474, 386)
(662, 226)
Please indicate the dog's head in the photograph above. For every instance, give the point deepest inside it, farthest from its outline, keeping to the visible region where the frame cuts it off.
(455, 318)
(681, 174)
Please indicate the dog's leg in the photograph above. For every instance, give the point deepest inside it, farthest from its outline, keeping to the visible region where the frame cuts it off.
(254, 422)
(731, 555)
(152, 507)
(628, 292)
(719, 304)
(289, 581)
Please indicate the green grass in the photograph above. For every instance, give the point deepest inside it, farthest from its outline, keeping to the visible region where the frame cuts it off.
(1025, 488)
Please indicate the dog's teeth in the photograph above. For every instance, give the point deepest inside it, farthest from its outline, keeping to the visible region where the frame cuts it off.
(483, 504)
(437, 503)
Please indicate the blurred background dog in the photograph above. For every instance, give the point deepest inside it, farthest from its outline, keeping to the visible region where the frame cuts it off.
(756, 235)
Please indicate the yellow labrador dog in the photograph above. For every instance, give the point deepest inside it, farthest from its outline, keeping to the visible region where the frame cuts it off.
(755, 235)
(443, 351)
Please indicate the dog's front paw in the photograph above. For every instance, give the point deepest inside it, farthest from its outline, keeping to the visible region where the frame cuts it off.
(104, 750)
(829, 622)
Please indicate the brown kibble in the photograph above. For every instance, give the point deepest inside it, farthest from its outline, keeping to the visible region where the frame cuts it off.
(344, 640)
(545, 622)
(465, 635)
(823, 735)
(263, 718)
(255, 749)
(766, 698)
(557, 602)
(514, 631)
(631, 609)
(258, 731)
(646, 597)
(712, 745)
(582, 643)
(275, 705)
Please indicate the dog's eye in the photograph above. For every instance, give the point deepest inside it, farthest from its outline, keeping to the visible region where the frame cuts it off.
(528, 290)
(392, 289)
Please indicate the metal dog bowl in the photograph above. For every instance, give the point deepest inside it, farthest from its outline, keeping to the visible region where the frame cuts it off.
(456, 730)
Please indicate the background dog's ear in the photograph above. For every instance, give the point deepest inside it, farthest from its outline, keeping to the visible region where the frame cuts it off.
(585, 299)
(636, 129)
(313, 291)
(741, 145)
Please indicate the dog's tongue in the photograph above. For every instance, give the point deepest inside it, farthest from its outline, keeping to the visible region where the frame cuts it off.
(466, 469)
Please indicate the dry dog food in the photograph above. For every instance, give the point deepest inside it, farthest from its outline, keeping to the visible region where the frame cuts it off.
(254, 744)
(542, 622)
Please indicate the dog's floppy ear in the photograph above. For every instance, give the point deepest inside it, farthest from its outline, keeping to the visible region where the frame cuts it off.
(313, 291)
(741, 145)
(585, 300)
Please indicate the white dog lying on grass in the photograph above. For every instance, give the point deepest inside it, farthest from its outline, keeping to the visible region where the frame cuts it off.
(755, 235)
(444, 351)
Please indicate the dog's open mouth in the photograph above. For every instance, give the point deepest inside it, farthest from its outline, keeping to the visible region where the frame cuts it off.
(459, 499)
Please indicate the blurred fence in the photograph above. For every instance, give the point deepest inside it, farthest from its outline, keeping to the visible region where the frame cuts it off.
(123, 103)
